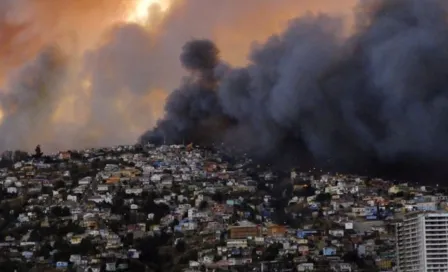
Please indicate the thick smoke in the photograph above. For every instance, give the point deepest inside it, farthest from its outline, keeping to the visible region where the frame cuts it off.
(194, 107)
(42, 48)
(374, 99)
(33, 97)
(115, 74)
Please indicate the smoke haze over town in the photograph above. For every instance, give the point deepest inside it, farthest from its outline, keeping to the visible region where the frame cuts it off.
(355, 86)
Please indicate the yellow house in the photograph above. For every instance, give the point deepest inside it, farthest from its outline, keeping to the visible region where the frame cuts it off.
(384, 264)
(75, 240)
(27, 168)
(90, 224)
(113, 180)
(130, 172)
(44, 223)
(394, 189)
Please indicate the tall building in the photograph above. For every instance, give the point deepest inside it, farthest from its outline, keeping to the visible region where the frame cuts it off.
(422, 242)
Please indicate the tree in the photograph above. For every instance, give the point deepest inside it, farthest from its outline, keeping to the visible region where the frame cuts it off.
(135, 265)
(351, 257)
(63, 250)
(6, 163)
(271, 252)
(218, 197)
(5, 209)
(46, 190)
(324, 197)
(35, 236)
(75, 155)
(159, 210)
(38, 152)
(86, 246)
(203, 205)
(149, 247)
(58, 211)
(38, 211)
(305, 191)
(128, 239)
(174, 223)
(44, 251)
(118, 205)
(97, 164)
(19, 155)
(181, 246)
(59, 184)
(189, 256)
(115, 226)
(399, 194)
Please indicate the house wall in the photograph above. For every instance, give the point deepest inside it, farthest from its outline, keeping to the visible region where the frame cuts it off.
(276, 230)
(244, 232)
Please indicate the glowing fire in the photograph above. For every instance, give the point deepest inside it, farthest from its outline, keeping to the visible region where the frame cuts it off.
(141, 12)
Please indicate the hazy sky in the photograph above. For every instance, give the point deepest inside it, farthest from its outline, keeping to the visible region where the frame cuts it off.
(88, 73)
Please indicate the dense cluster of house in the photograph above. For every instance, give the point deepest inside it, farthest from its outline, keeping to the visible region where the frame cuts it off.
(93, 210)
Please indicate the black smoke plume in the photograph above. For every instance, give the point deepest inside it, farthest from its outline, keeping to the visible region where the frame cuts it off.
(193, 112)
(376, 100)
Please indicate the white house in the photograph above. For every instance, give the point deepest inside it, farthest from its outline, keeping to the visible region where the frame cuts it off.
(85, 181)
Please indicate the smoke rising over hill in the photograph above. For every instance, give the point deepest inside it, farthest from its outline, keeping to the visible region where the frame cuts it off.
(375, 99)
(113, 73)
(76, 74)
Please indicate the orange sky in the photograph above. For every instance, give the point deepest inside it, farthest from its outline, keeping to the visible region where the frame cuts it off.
(86, 32)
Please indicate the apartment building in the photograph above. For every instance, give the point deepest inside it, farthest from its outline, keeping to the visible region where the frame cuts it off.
(422, 242)
(243, 230)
